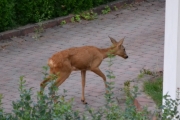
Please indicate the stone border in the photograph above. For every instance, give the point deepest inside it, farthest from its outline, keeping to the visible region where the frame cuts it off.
(21, 31)
(143, 100)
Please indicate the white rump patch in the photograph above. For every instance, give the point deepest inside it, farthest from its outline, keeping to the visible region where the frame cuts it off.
(51, 63)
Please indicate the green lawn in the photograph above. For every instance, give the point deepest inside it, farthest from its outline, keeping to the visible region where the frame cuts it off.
(154, 89)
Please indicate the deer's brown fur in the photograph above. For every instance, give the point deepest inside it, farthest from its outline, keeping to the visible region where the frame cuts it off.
(83, 59)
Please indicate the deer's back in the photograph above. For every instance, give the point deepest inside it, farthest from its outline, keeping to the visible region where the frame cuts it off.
(77, 58)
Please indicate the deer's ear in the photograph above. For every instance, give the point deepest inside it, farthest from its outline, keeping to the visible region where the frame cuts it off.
(121, 42)
(113, 40)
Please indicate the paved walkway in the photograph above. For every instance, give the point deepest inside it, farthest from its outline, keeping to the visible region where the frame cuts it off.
(144, 31)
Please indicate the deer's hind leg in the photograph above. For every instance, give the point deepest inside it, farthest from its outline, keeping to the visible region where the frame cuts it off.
(61, 78)
(61, 74)
(83, 75)
(45, 81)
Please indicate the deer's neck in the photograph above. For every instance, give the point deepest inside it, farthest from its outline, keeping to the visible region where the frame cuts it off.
(106, 51)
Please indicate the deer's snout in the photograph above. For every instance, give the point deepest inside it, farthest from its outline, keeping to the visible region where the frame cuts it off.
(126, 57)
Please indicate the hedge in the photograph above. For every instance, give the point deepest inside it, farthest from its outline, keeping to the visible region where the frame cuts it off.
(21, 12)
(7, 14)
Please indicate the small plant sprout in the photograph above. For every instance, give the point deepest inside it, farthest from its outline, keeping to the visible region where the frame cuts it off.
(72, 20)
(125, 5)
(115, 8)
(63, 22)
(77, 18)
(89, 15)
(106, 10)
(38, 30)
(144, 71)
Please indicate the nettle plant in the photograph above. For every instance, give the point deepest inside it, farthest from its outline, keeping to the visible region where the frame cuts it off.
(46, 107)
(169, 110)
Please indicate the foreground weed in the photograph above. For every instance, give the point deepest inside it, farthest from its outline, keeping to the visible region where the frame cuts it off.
(127, 89)
(46, 107)
(169, 111)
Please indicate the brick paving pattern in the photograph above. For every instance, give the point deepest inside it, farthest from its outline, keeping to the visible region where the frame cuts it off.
(143, 27)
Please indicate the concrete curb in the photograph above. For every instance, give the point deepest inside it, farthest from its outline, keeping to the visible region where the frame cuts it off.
(21, 31)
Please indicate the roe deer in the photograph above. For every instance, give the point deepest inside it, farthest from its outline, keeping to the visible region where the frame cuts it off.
(83, 59)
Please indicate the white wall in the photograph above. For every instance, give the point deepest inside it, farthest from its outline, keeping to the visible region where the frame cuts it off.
(172, 48)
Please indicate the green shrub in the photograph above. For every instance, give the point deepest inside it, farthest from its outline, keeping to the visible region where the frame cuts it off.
(170, 108)
(30, 11)
(6, 14)
(46, 108)
(23, 12)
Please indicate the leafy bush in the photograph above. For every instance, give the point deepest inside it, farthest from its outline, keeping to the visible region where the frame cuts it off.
(46, 107)
(170, 108)
(7, 14)
(23, 12)
(30, 11)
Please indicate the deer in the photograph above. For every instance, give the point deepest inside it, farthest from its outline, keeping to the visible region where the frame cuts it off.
(85, 58)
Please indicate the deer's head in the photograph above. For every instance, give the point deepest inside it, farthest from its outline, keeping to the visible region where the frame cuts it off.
(118, 48)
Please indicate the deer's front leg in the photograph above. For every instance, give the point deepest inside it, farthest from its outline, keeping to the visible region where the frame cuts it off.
(83, 76)
(98, 72)
(95, 69)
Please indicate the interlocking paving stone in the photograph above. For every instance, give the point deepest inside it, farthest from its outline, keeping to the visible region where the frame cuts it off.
(144, 42)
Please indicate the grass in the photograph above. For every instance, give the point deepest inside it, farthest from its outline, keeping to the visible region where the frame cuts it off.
(154, 89)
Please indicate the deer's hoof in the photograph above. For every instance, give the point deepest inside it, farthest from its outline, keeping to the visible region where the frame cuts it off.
(84, 102)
